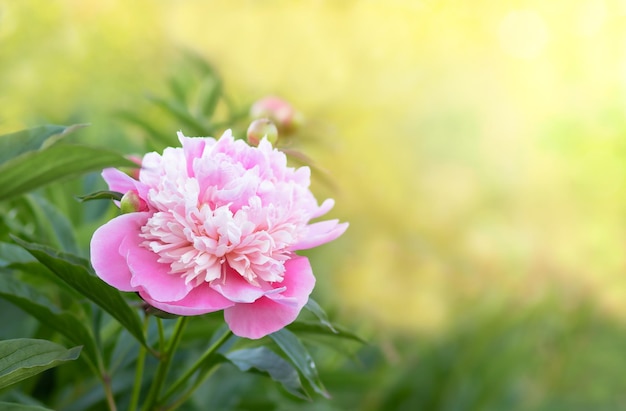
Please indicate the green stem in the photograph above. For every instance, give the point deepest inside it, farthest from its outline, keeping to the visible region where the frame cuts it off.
(163, 367)
(141, 359)
(99, 366)
(183, 398)
(108, 392)
(189, 373)
(161, 335)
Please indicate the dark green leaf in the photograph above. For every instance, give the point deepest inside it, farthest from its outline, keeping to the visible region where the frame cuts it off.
(58, 226)
(74, 271)
(268, 362)
(321, 329)
(319, 312)
(38, 274)
(33, 302)
(300, 357)
(32, 139)
(23, 358)
(11, 253)
(9, 406)
(101, 195)
(37, 168)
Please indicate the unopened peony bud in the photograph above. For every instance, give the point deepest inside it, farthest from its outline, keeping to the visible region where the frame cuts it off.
(286, 118)
(131, 203)
(134, 171)
(260, 128)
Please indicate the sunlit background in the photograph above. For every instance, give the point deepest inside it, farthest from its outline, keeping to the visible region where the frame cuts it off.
(477, 148)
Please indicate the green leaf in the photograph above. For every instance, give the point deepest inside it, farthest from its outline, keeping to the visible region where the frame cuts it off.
(101, 195)
(11, 253)
(200, 64)
(300, 357)
(9, 406)
(179, 88)
(75, 272)
(268, 362)
(321, 329)
(55, 223)
(37, 168)
(151, 131)
(211, 90)
(319, 312)
(32, 139)
(182, 114)
(33, 302)
(24, 357)
(38, 275)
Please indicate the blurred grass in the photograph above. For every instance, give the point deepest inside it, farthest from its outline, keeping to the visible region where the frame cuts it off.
(477, 148)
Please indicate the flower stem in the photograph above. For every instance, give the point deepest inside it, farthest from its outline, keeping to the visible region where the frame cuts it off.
(181, 400)
(191, 371)
(141, 358)
(163, 367)
(108, 392)
(161, 335)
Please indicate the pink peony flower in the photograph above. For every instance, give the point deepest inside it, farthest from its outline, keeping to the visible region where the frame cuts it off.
(217, 228)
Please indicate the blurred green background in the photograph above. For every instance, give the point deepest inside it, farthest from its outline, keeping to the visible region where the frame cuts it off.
(476, 148)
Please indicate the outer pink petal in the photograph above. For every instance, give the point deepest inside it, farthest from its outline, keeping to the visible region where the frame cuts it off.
(118, 181)
(110, 265)
(324, 208)
(236, 288)
(153, 277)
(320, 233)
(200, 300)
(269, 314)
(260, 318)
(299, 282)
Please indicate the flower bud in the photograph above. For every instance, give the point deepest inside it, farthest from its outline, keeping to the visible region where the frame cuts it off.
(286, 118)
(131, 203)
(260, 128)
(133, 171)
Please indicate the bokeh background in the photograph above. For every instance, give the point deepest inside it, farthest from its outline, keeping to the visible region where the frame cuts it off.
(476, 148)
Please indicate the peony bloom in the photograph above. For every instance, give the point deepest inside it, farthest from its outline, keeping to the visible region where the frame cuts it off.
(216, 227)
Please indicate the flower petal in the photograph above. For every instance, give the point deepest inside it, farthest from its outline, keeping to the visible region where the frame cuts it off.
(193, 147)
(149, 274)
(271, 313)
(320, 233)
(299, 282)
(234, 287)
(260, 318)
(324, 208)
(106, 259)
(200, 300)
(118, 181)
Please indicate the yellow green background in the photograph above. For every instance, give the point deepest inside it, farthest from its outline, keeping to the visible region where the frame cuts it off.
(477, 147)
